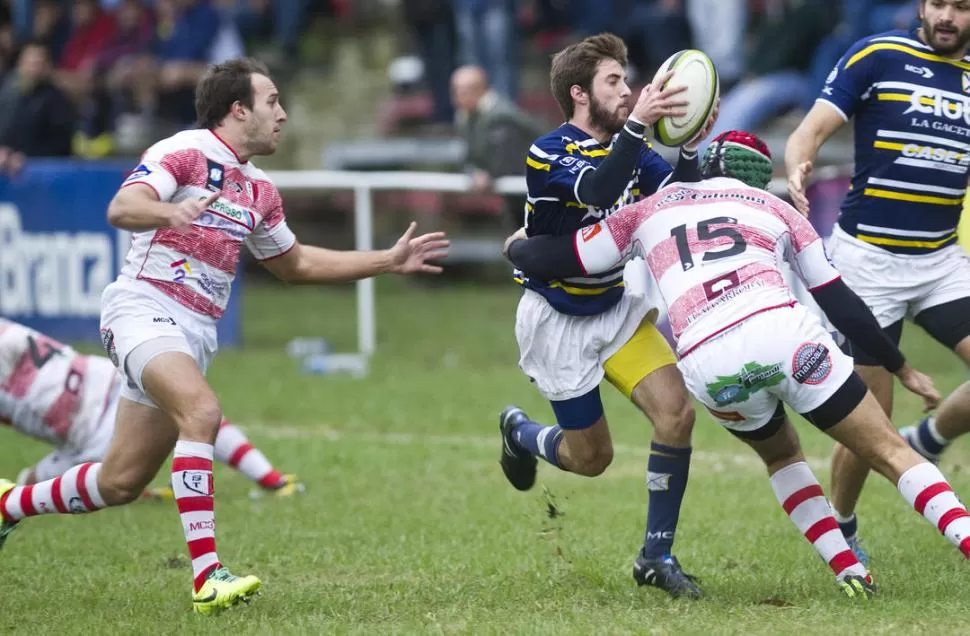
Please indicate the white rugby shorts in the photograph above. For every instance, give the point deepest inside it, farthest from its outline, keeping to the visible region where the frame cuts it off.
(898, 286)
(134, 314)
(780, 355)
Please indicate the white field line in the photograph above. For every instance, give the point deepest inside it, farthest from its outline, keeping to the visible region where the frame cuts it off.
(719, 460)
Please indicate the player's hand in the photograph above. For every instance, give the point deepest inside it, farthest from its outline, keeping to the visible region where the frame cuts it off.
(518, 236)
(920, 384)
(692, 145)
(797, 181)
(656, 101)
(410, 255)
(189, 210)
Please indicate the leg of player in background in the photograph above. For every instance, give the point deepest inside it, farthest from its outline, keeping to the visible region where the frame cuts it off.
(848, 471)
(144, 436)
(934, 433)
(868, 433)
(234, 449)
(803, 500)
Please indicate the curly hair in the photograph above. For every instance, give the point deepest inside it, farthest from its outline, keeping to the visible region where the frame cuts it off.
(739, 155)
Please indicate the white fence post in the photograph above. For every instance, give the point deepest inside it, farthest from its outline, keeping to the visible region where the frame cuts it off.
(364, 241)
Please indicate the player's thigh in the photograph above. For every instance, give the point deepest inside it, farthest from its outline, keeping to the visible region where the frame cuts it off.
(949, 324)
(143, 438)
(857, 421)
(175, 383)
(639, 357)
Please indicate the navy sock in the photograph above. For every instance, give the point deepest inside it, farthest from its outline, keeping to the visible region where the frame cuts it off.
(541, 441)
(849, 528)
(667, 471)
(928, 440)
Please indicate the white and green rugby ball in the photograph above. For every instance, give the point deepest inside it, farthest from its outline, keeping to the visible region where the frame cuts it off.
(695, 70)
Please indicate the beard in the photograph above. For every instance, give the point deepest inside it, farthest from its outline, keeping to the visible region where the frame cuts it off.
(603, 119)
(960, 39)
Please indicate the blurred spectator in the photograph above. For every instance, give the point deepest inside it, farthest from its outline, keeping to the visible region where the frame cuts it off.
(719, 29)
(8, 41)
(432, 23)
(49, 24)
(859, 19)
(777, 78)
(92, 29)
(36, 119)
(287, 19)
(497, 133)
(488, 37)
(652, 29)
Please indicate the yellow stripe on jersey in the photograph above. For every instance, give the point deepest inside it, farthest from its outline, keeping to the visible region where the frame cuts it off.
(575, 204)
(532, 163)
(584, 291)
(923, 55)
(914, 198)
(887, 145)
(570, 148)
(903, 97)
(879, 240)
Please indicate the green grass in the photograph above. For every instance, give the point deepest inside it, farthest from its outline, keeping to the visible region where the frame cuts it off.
(409, 527)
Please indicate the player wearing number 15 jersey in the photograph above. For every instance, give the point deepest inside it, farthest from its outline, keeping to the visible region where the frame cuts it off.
(747, 346)
(908, 96)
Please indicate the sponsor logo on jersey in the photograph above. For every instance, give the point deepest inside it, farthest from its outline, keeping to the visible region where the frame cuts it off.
(966, 81)
(164, 320)
(752, 377)
(920, 70)
(590, 231)
(181, 268)
(811, 364)
(234, 213)
(932, 153)
(930, 101)
(140, 172)
(215, 175)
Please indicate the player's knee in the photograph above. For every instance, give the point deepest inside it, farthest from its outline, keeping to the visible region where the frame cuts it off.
(675, 423)
(593, 460)
(200, 422)
(121, 488)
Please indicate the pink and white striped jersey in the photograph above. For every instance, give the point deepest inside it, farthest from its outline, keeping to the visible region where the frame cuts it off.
(50, 391)
(195, 265)
(714, 249)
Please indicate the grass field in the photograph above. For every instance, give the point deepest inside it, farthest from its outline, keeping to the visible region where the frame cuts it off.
(409, 527)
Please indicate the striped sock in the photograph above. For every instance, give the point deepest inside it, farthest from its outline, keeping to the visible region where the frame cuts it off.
(928, 439)
(233, 448)
(800, 494)
(74, 492)
(926, 489)
(541, 441)
(193, 488)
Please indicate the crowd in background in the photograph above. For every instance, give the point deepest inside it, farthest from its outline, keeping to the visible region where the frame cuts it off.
(76, 74)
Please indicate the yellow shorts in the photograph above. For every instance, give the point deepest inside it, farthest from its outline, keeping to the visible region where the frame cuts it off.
(643, 354)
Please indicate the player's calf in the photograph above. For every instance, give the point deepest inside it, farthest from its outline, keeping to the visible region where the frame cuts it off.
(801, 495)
(867, 432)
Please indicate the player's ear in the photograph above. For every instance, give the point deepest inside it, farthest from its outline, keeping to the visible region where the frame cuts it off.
(579, 95)
(238, 109)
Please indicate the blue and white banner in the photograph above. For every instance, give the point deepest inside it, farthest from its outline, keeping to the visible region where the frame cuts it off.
(57, 251)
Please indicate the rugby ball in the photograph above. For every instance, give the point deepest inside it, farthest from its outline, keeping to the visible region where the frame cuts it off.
(695, 70)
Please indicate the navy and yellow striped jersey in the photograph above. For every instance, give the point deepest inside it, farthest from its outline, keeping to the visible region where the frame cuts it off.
(912, 141)
(554, 165)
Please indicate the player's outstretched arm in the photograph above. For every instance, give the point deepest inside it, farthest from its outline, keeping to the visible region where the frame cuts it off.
(590, 250)
(819, 124)
(136, 208)
(410, 255)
